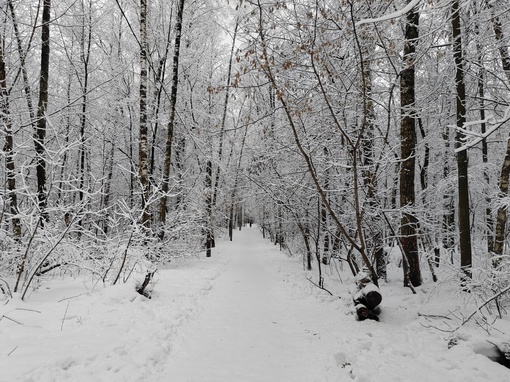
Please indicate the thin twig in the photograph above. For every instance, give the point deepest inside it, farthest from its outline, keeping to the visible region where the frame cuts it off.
(29, 310)
(12, 351)
(433, 316)
(124, 258)
(17, 322)
(65, 314)
(68, 298)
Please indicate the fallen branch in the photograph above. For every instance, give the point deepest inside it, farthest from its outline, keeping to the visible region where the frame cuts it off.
(318, 286)
(433, 316)
(465, 321)
(65, 314)
(29, 310)
(17, 322)
(12, 351)
(78, 295)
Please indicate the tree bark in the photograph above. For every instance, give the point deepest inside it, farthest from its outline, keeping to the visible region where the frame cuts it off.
(408, 227)
(501, 217)
(170, 128)
(9, 147)
(224, 117)
(22, 58)
(502, 47)
(208, 208)
(499, 237)
(462, 158)
(40, 132)
(485, 151)
(143, 164)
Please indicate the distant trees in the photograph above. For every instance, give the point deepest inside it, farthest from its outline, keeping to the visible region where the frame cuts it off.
(96, 168)
(334, 69)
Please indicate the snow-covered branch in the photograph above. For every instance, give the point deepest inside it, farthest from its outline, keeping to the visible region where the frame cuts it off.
(480, 137)
(390, 16)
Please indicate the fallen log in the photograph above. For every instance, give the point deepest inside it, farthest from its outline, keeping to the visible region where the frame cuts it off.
(367, 298)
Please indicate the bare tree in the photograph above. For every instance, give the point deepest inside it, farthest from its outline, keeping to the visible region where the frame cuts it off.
(408, 228)
(462, 157)
(40, 132)
(9, 146)
(170, 127)
(143, 164)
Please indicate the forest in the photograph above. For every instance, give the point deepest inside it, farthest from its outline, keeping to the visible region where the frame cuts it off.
(360, 133)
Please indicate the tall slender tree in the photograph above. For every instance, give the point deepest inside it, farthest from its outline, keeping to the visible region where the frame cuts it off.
(9, 146)
(143, 164)
(462, 156)
(408, 228)
(40, 132)
(171, 120)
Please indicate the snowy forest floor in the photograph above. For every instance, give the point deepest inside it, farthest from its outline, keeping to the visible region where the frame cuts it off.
(246, 314)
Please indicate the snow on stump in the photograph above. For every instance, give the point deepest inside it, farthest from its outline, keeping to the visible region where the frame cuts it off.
(367, 297)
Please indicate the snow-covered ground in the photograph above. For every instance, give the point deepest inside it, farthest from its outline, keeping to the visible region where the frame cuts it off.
(246, 314)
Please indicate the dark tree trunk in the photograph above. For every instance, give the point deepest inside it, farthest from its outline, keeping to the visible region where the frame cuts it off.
(501, 217)
(22, 58)
(408, 228)
(40, 132)
(462, 158)
(485, 151)
(107, 187)
(171, 120)
(9, 147)
(85, 58)
(208, 208)
(499, 238)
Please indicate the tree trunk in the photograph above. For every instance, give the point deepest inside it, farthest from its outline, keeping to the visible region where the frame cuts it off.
(485, 151)
(501, 218)
(373, 219)
(170, 128)
(143, 164)
(224, 117)
(408, 228)
(208, 208)
(502, 46)
(40, 132)
(9, 147)
(462, 158)
(22, 56)
(85, 58)
(107, 188)
(233, 195)
(499, 238)
(448, 222)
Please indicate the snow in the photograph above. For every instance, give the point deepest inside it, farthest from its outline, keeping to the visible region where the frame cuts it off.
(246, 314)
(394, 15)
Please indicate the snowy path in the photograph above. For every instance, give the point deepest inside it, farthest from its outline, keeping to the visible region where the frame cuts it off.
(246, 314)
(251, 328)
